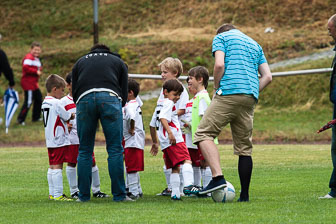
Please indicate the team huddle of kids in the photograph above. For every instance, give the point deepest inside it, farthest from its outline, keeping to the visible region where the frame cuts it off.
(173, 125)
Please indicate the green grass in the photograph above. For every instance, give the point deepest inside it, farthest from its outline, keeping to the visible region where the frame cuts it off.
(286, 182)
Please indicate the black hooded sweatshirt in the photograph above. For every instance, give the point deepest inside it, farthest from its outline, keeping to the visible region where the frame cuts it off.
(100, 69)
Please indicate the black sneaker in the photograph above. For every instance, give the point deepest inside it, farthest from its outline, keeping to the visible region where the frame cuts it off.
(100, 194)
(132, 196)
(75, 195)
(243, 200)
(191, 189)
(165, 192)
(213, 185)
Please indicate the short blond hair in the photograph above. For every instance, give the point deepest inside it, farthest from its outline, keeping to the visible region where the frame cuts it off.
(54, 81)
(173, 65)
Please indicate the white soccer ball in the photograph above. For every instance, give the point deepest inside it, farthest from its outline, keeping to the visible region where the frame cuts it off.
(224, 195)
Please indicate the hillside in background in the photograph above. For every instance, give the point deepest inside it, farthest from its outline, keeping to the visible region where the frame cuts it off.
(144, 32)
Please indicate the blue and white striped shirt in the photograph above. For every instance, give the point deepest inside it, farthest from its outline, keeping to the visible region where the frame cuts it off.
(243, 56)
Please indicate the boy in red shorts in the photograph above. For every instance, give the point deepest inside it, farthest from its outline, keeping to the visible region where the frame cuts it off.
(134, 137)
(55, 118)
(72, 152)
(172, 144)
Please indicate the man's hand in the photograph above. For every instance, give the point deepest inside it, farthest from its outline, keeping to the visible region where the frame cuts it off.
(73, 115)
(154, 150)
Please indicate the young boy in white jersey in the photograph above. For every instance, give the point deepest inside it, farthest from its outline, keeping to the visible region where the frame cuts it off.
(198, 80)
(134, 137)
(56, 131)
(72, 153)
(186, 129)
(171, 68)
(165, 120)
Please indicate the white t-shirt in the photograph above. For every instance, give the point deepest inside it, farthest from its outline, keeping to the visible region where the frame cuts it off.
(181, 103)
(69, 105)
(132, 111)
(188, 117)
(54, 118)
(167, 110)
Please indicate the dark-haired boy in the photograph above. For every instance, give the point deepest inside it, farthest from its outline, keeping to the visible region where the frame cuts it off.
(72, 152)
(134, 137)
(198, 78)
(56, 131)
(165, 119)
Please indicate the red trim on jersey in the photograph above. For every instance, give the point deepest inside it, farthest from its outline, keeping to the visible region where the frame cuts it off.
(174, 108)
(70, 106)
(189, 104)
(58, 123)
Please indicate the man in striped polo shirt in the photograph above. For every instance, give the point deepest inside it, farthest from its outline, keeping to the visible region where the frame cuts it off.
(238, 58)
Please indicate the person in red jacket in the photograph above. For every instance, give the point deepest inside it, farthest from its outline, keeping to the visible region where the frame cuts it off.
(31, 72)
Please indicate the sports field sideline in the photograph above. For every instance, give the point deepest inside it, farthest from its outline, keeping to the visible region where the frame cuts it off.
(286, 182)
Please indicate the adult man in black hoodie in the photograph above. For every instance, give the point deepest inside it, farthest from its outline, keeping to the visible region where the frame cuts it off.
(5, 68)
(99, 87)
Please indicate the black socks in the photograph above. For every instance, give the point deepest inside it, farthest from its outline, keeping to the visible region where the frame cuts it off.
(245, 166)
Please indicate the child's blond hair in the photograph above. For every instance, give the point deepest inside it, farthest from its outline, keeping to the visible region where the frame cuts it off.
(54, 81)
(173, 65)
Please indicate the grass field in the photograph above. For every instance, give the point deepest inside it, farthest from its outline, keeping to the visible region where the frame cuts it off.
(286, 182)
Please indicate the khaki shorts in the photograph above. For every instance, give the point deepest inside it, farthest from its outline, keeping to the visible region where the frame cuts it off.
(238, 110)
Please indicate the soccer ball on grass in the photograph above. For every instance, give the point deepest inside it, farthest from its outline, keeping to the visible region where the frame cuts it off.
(224, 195)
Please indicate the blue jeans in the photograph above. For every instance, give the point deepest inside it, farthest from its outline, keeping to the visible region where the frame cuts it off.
(106, 108)
(332, 182)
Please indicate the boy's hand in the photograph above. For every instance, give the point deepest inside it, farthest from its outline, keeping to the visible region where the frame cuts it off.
(172, 139)
(131, 131)
(186, 129)
(154, 150)
(69, 126)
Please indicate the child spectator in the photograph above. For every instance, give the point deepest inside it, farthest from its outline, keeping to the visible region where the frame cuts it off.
(165, 120)
(55, 118)
(171, 68)
(134, 137)
(72, 152)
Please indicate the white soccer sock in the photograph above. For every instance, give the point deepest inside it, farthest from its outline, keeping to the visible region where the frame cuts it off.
(133, 183)
(139, 185)
(126, 179)
(167, 173)
(175, 184)
(95, 179)
(206, 176)
(181, 179)
(197, 175)
(50, 182)
(57, 180)
(188, 174)
(72, 179)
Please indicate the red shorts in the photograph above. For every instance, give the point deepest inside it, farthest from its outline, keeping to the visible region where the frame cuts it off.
(134, 160)
(201, 157)
(57, 155)
(175, 155)
(195, 157)
(72, 154)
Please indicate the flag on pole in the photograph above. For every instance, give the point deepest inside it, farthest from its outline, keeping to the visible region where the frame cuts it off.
(11, 102)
